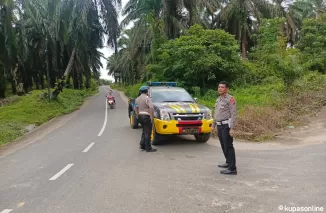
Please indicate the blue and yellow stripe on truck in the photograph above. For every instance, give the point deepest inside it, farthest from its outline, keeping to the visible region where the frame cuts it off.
(181, 108)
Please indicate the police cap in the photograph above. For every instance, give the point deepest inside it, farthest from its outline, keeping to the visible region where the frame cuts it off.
(143, 89)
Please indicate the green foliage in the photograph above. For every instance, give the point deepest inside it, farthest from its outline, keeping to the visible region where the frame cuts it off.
(255, 95)
(61, 37)
(30, 109)
(273, 86)
(130, 91)
(264, 109)
(313, 44)
(271, 56)
(196, 91)
(200, 57)
(94, 84)
(196, 58)
(157, 31)
(105, 82)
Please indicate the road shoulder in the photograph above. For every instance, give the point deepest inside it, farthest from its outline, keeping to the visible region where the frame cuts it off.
(41, 131)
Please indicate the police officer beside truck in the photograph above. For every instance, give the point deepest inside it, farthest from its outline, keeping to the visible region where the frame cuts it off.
(145, 112)
(224, 119)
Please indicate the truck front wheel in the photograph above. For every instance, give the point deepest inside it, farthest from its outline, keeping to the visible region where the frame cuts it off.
(203, 137)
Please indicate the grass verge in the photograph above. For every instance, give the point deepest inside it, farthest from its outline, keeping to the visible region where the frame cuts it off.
(31, 109)
(265, 110)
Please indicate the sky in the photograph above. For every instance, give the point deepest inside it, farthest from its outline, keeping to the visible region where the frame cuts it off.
(107, 51)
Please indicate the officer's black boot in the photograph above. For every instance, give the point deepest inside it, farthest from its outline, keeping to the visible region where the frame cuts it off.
(142, 147)
(142, 142)
(147, 136)
(225, 165)
(229, 172)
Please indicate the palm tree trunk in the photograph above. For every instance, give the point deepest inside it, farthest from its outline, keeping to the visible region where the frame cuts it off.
(170, 12)
(244, 44)
(318, 14)
(36, 82)
(95, 2)
(71, 63)
(41, 78)
(12, 81)
(61, 82)
(80, 80)
(115, 45)
(18, 80)
(2, 82)
(13, 87)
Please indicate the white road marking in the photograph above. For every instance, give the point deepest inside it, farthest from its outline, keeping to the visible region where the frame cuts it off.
(89, 147)
(105, 119)
(61, 172)
(6, 211)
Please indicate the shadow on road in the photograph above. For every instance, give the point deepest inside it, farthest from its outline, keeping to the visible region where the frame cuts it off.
(180, 140)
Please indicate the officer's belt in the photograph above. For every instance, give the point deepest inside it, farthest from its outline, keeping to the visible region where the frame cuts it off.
(222, 122)
(144, 113)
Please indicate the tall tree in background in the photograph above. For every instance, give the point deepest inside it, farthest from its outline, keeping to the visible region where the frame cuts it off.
(310, 8)
(55, 39)
(242, 17)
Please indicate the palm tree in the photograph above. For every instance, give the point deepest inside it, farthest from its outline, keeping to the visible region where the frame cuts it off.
(15, 50)
(133, 56)
(87, 34)
(293, 20)
(108, 9)
(137, 9)
(60, 36)
(310, 8)
(242, 17)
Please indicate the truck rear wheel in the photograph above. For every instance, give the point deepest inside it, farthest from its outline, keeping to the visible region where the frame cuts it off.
(133, 120)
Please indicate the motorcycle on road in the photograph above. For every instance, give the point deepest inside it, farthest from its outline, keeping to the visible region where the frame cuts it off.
(111, 102)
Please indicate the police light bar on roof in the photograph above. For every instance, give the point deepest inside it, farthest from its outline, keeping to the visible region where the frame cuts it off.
(169, 84)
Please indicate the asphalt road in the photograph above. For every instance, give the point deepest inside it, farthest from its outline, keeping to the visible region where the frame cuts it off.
(79, 168)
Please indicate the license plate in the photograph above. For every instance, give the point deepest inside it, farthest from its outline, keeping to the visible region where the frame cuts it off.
(190, 130)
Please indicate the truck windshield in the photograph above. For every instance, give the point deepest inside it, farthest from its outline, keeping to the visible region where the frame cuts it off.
(168, 94)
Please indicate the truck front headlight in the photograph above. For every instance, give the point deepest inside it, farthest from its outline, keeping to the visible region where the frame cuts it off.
(164, 115)
(209, 114)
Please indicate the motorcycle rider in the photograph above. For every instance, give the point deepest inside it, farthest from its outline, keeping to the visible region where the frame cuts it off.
(110, 93)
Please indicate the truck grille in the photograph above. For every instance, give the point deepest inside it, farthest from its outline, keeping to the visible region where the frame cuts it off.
(188, 116)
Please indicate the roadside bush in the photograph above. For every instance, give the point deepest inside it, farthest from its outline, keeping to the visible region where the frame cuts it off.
(265, 109)
(199, 57)
(31, 109)
(129, 90)
(294, 107)
(94, 84)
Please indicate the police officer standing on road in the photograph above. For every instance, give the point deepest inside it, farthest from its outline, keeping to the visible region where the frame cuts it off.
(224, 118)
(145, 111)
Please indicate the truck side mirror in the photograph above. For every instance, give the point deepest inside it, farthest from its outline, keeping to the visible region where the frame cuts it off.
(196, 99)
